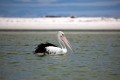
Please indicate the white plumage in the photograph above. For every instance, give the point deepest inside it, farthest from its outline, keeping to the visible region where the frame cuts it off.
(55, 50)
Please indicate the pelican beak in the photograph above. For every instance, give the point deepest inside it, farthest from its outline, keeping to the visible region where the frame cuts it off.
(64, 39)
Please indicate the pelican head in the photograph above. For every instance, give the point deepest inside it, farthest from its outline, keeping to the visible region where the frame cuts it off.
(63, 39)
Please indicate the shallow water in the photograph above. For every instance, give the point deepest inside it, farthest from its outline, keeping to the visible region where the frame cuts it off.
(96, 56)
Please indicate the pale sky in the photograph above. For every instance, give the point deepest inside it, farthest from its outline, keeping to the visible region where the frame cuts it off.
(38, 8)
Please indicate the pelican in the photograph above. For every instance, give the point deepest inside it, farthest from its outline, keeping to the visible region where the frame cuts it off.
(51, 49)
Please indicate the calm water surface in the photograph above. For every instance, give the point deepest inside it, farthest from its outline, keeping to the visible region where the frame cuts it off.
(96, 56)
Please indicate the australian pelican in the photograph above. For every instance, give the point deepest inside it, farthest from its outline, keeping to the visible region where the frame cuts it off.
(51, 49)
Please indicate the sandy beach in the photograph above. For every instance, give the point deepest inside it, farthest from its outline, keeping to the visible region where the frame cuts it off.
(44, 23)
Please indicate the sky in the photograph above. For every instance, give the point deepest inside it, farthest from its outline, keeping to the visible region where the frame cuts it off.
(81, 8)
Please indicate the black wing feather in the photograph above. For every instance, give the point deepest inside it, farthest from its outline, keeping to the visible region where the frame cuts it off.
(49, 44)
(41, 47)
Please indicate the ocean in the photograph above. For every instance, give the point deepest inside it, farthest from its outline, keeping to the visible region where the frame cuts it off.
(95, 56)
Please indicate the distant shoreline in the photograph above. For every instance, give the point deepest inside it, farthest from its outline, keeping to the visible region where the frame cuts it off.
(68, 30)
(62, 23)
